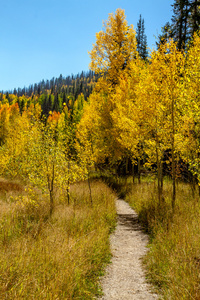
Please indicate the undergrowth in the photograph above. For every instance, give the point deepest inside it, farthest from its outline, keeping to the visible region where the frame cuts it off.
(59, 256)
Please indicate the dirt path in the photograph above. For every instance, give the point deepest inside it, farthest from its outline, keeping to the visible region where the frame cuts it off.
(125, 277)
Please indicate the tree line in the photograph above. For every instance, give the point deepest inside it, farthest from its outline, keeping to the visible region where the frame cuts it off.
(53, 95)
(72, 85)
(144, 111)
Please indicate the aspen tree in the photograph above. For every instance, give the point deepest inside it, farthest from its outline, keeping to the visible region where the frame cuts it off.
(115, 47)
(166, 69)
(189, 134)
(127, 113)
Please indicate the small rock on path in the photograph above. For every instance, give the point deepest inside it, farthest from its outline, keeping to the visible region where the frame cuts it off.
(125, 276)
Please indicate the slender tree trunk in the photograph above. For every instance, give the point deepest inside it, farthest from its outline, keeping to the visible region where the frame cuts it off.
(158, 176)
(68, 182)
(160, 173)
(161, 176)
(173, 159)
(173, 181)
(161, 197)
(126, 176)
(68, 196)
(139, 171)
(133, 173)
(91, 201)
(51, 202)
(126, 166)
(51, 189)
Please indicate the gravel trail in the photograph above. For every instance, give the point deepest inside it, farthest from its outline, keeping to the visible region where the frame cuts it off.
(125, 276)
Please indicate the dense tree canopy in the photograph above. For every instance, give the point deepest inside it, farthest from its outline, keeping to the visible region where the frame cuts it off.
(141, 112)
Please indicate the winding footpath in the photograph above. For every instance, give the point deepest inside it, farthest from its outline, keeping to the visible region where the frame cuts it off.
(125, 276)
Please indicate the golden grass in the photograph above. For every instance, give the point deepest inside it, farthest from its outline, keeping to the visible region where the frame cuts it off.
(173, 261)
(57, 257)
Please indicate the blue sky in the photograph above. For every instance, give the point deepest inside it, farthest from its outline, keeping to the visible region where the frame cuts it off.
(41, 39)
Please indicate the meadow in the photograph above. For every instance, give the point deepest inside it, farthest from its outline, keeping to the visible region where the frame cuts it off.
(173, 260)
(58, 256)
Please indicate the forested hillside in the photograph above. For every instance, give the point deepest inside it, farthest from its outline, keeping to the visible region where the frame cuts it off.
(74, 85)
(51, 94)
(133, 115)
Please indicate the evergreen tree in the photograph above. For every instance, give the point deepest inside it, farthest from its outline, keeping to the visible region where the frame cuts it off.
(194, 20)
(180, 24)
(64, 98)
(44, 104)
(185, 21)
(49, 104)
(141, 39)
(166, 34)
(56, 105)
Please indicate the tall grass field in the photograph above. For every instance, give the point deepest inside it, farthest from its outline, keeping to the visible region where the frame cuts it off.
(173, 260)
(59, 256)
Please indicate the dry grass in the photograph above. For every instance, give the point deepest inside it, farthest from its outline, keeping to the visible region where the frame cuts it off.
(173, 261)
(57, 257)
(7, 186)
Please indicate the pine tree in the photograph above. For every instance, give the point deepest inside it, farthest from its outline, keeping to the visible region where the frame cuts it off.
(194, 21)
(180, 24)
(166, 34)
(56, 105)
(44, 105)
(185, 21)
(49, 104)
(141, 39)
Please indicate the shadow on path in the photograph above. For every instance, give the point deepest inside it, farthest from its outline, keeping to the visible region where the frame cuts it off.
(130, 221)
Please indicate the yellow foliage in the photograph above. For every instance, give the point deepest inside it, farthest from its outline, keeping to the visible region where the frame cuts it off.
(115, 47)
